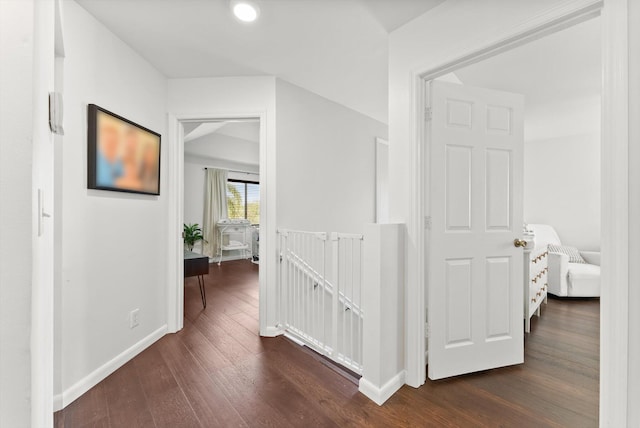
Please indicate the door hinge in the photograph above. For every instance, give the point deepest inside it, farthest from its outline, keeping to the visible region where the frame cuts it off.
(428, 114)
(427, 222)
(427, 332)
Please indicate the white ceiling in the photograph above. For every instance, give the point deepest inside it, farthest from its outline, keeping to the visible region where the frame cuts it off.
(335, 48)
(559, 75)
(197, 130)
(338, 49)
(392, 14)
(247, 130)
(223, 148)
(244, 130)
(233, 141)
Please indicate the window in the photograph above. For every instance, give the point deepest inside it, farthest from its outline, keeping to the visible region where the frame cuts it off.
(243, 200)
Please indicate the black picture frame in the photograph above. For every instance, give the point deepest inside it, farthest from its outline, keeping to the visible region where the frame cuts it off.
(122, 156)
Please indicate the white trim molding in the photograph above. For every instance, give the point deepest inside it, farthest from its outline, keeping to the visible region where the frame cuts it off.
(615, 383)
(564, 15)
(268, 267)
(614, 309)
(69, 395)
(271, 331)
(175, 218)
(382, 394)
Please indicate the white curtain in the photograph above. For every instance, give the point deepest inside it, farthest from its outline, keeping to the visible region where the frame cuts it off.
(215, 208)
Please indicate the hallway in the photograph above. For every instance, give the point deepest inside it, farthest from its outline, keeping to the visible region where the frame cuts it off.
(217, 372)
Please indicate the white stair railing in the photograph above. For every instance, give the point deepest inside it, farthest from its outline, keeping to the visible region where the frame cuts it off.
(303, 300)
(324, 315)
(347, 313)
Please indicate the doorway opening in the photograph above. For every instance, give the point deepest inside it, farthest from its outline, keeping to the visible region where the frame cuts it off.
(221, 199)
(567, 114)
(230, 146)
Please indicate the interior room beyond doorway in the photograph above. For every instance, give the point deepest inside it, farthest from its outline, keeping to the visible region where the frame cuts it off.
(230, 149)
(560, 78)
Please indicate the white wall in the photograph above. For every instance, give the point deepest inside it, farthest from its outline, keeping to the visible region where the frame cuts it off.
(633, 386)
(194, 180)
(324, 178)
(26, 165)
(194, 193)
(194, 184)
(562, 187)
(218, 151)
(564, 117)
(382, 181)
(16, 128)
(42, 341)
(113, 244)
(333, 149)
(442, 35)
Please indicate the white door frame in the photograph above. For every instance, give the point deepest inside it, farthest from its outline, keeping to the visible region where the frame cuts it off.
(614, 181)
(175, 218)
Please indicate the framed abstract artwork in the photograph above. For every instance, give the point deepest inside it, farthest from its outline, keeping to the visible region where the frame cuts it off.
(122, 155)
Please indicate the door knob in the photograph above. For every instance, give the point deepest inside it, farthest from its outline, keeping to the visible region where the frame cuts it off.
(519, 243)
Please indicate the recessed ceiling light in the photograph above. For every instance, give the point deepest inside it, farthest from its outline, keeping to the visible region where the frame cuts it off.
(245, 11)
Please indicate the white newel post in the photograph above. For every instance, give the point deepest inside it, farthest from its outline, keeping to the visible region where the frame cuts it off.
(383, 311)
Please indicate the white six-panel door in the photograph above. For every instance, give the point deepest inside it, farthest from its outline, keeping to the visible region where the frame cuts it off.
(475, 306)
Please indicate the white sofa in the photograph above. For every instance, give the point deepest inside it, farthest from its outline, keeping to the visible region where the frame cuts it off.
(568, 279)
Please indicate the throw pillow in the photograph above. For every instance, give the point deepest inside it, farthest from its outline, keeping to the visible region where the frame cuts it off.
(572, 252)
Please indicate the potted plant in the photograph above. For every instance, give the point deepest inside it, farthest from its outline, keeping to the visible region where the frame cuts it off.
(192, 234)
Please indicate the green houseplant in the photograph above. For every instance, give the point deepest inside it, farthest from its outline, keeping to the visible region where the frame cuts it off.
(192, 234)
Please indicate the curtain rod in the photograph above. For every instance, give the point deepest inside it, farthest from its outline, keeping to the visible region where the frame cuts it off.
(234, 170)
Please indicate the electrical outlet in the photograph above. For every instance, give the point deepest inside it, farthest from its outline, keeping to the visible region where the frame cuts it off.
(134, 318)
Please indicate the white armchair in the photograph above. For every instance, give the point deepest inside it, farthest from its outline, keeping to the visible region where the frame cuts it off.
(569, 279)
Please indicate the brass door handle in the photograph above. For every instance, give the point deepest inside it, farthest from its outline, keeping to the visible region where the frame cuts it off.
(519, 243)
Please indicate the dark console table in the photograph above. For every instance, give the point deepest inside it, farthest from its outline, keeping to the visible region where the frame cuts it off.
(197, 265)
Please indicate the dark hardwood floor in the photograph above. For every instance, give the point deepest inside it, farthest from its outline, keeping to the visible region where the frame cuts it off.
(217, 372)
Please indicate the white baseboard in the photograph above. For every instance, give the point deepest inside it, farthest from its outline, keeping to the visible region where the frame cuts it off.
(271, 331)
(68, 396)
(381, 394)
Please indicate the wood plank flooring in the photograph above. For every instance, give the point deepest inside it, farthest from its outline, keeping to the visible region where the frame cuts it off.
(217, 372)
